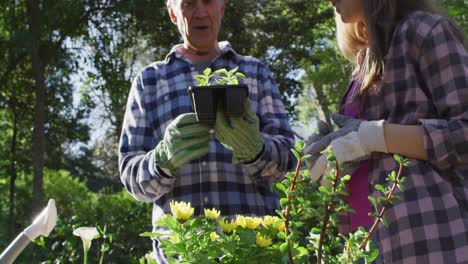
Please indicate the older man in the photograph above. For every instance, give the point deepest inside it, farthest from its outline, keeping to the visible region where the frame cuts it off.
(159, 120)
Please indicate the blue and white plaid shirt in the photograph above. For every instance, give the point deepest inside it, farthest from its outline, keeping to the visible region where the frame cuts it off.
(157, 96)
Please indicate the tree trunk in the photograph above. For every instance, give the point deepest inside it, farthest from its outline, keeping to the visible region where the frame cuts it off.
(13, 174)
(39, 111)
(323, 102)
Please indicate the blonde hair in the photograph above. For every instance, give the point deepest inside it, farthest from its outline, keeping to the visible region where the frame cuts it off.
(366, 43)
(353, 43)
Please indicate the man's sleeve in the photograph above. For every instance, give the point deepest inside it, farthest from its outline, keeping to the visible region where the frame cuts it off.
(136, 158)
(277, 158)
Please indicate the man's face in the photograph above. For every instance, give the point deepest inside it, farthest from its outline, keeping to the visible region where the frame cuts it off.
(199, 21)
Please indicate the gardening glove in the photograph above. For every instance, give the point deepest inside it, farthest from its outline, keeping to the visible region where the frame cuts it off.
(358, 138)
(240, 134)
(185, 139)
(315, 162)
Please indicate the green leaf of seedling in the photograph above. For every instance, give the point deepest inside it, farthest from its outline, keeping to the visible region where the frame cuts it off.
(300, 146)
(373, 202)
(373, 255)
(284, 202)
(284, 247)
(231, 72)
(408, 164)
(282, 235)
(221, 71)
(380, 188)
(401, 187)
(346, 178)
(207, 71)
(382, 200)
(241, 75)
(296, 153)
(384, 221)
(392, 176)
(398, 158)
(149, 234)
(282, 187)
(324, 190)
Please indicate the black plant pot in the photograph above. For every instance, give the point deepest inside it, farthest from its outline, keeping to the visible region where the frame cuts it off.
(205, 100)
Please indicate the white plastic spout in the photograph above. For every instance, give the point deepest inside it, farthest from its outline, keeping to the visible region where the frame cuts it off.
(44, 222)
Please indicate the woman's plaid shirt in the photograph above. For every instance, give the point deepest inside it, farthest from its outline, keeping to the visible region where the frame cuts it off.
(157, 96)
(426, 83)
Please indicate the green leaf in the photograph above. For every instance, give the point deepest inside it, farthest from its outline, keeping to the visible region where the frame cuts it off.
(296, 153)
(324, 190)
(397, 158)
(282, 187)
(373, 255)
(346, 178)
(149, 234)
(384, 221)
(207, 71)
(380, 188)
(408, 164)
(284, 247)
(300, 145)
(373, 202)
(382, 200)
(284, 202)
(241, 75)
(282, 235)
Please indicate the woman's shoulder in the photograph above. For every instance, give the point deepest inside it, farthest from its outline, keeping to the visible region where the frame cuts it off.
(418, 25)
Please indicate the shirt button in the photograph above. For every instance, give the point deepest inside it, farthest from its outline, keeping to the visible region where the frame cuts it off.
(192, 68)
(205, 199)
(166, 97)
(204, 163)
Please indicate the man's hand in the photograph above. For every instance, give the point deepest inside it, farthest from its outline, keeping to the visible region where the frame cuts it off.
(185, 139)
(241, 134)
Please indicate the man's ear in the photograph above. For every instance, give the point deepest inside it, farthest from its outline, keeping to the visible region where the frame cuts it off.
(172, 15)
(223, 7)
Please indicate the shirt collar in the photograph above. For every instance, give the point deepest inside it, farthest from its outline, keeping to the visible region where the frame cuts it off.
(224, 46)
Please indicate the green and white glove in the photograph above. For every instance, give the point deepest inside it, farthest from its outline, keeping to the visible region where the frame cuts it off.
(241, 134)
(185, 139)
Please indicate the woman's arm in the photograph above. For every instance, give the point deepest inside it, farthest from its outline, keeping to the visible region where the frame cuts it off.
(405, 140)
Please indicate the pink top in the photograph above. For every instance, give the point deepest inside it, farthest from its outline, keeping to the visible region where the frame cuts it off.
(358, 186)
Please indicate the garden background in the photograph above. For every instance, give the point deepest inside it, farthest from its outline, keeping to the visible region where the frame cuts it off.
(65, 71)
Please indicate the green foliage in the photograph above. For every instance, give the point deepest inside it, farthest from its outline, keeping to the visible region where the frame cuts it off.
(119, 217)
(305, 230)
(225, 77)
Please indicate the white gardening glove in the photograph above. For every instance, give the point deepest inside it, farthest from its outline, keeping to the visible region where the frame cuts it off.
(43, 223)
(358, 138)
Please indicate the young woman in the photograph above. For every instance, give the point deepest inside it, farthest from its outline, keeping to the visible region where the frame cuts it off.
(409, 96)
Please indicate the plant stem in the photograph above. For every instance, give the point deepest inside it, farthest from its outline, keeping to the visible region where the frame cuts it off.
(384, 208)
(85, 257)
(288, 208)
(327, 215)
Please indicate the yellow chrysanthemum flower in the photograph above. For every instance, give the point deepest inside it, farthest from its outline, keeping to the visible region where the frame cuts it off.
(262, 241)
(213, 236)
(269, 220)
(281, 227)
(181, 210)
(248, 222)
(228, 226)
(212, 213)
